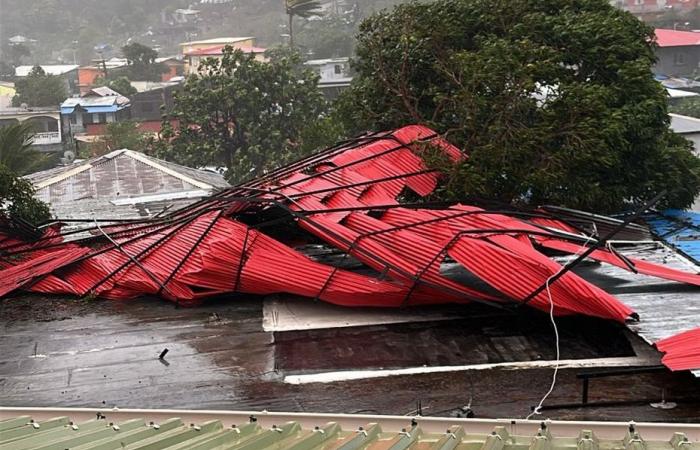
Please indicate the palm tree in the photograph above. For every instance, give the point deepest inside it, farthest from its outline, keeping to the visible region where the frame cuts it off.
(16, 152)
(300, 8)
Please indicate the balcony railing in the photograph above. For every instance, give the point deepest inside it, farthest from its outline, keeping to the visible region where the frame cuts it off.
(48, 137)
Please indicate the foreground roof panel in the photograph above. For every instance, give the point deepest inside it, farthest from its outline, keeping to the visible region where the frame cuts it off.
(144, 429)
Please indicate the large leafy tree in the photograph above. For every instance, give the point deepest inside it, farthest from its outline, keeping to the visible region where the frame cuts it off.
(553, 100)
(40, 89)
(299, 8)
(242, 114)
(141, 60)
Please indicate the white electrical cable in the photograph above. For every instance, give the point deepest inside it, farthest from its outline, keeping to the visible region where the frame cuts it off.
(538, 408)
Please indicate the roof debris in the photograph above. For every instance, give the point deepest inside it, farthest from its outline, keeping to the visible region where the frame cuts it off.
(254, 238)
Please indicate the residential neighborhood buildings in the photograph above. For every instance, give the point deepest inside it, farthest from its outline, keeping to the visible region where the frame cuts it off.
(335, 74)
(650, 8)
(678, 52)
(196, 51)
(90, 112)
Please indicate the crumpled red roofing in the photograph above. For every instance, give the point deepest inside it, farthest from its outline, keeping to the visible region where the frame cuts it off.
(347, 197)
(682, 350)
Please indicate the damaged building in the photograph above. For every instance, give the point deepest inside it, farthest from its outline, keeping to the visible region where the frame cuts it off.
(335, 229)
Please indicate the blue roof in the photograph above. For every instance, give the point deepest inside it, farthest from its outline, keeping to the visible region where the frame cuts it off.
(92, 109)
(680, 229)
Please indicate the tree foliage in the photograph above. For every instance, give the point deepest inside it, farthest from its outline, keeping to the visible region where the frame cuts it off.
(18, 158)
(39, 89)
(689, 106)
(242, 114)
(142, 62)
(331, 36)
(17, 153)
(553, 100)
(119, 135)
(17, 198)
(16, 53)
(120, 84)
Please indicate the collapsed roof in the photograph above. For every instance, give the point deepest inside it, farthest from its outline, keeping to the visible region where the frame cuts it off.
(336, 227)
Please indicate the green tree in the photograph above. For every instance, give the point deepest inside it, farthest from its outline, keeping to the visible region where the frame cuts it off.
(18, 158)
(120, 84)
(242, 114)
(17, 153)
(17, 52)
(17, 198)
(40, 89)
(553, 100)
(299, 8)
(330, 37)
(689, 106)
(142, 62)
(119, 135)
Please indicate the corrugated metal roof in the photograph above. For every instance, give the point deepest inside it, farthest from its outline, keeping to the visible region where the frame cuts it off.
(219, 49)
(22, 432)
(141, 186)
(680, 229)
(676, 38)
(665, 308)
(210, 178)
(219, 40)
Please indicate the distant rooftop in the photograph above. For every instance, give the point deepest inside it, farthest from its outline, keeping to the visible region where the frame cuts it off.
(218, 50)
(684, 124)
(679, 93)
(145, 86)
(321, 62)
(675, 38)
(99, 97)
(113, 185)
(217, 41)
(51, 69)
(13, 111)
(19, 39)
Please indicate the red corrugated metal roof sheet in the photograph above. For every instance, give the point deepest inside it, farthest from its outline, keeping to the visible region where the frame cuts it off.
(345, 197)
(675, 38)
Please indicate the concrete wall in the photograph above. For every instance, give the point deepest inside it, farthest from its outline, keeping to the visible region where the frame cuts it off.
(677, 61)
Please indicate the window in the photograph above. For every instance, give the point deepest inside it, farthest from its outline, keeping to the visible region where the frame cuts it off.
(679, 59)
(338, 69)
(102, 117)
(147, 107)
(87, 118)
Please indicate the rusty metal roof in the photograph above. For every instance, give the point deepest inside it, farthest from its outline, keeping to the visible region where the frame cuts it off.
(122, 184)
(124, 431)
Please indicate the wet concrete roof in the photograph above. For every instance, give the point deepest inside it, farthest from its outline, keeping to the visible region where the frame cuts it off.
(62, 352)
